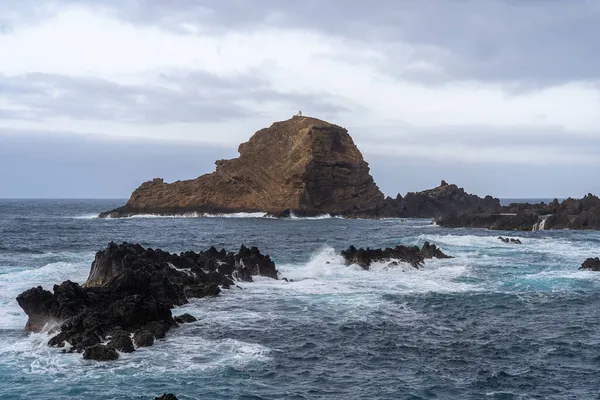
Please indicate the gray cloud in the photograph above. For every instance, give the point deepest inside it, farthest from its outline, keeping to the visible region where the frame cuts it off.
(189, 97)
(537, 42)
(542, 42)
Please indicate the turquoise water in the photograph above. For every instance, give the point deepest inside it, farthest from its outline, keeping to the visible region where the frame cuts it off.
(499, 321)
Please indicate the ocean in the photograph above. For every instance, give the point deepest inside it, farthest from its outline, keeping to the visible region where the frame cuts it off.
(498, 321)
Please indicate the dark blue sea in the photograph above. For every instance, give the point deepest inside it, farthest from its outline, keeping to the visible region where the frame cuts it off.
(499, 321)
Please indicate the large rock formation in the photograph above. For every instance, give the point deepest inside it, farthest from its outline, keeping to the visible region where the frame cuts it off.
(444, 200)
(570, 214)
(303, 165)
(130, 291)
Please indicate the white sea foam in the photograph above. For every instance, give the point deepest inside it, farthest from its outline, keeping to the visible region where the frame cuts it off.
(15, 282)
(326, 273)
(85, 216)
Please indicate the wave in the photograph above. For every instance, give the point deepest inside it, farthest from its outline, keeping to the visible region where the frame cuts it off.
(246, 215)
(14, 282)
(326, 273)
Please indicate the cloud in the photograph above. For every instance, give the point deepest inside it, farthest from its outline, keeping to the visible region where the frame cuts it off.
(178, 97)
(475, 82)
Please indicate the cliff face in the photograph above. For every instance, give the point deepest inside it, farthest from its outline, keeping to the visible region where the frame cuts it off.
(444, 200)
(304, 165)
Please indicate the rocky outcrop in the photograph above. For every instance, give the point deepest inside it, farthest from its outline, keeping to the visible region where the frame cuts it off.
(570, 214)
(412, 255)
(591, 264)
(130, 292)
(302, 165)
(444, 200)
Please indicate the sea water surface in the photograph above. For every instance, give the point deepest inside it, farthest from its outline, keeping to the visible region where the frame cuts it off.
(498, 321)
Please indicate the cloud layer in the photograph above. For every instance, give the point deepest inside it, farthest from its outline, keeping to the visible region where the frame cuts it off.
(482, 84)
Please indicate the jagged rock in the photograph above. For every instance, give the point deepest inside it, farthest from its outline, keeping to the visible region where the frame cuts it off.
(122, 343)
(132, 289)
(591, 264)
(409, 254)
(444, 200)
(431, 251)
(166, 396)
(185, 319)
(143, 338)
(100, 352)
(302, 165)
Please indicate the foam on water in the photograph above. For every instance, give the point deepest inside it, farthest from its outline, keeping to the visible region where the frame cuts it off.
(326, 273)
(15, 282)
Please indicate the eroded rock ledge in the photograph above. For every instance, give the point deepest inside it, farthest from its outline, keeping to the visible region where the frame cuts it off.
(579, 214)
(127, 299)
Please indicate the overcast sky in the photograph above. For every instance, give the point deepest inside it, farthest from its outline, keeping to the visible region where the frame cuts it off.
(500, 97)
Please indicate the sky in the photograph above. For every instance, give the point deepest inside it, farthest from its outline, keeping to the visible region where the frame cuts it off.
(501, 97)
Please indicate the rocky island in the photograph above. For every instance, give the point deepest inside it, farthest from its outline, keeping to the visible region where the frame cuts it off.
(302, 166)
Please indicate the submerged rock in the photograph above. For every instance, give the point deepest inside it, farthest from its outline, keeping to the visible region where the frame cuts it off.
(133, 289)
(591, 264)
(413, 255)
(510, 240)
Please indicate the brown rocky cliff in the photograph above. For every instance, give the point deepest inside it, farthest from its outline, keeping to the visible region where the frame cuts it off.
(303, 164)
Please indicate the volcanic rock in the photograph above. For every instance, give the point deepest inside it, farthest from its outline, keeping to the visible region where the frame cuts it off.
(100, 352)
(409, 254)
(570, 214)
(143, 338)
(303, 166)
(122, 343)
(444, 200)
(132, 289)
(591, 264)
(185, 319)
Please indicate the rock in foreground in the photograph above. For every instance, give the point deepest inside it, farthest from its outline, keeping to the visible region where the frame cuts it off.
(413, 255)
(591, 264)
(130, 291)
(302, 165)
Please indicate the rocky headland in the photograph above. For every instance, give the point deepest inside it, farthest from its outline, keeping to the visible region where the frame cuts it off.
(304, 167)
